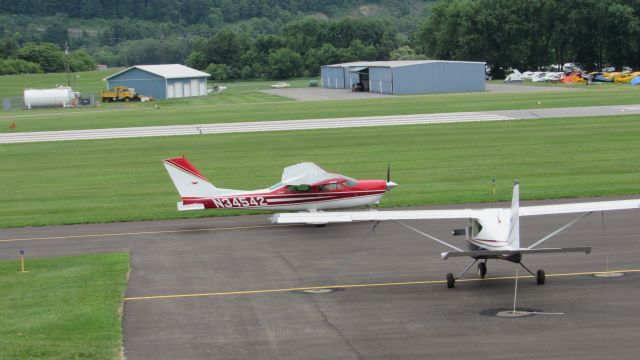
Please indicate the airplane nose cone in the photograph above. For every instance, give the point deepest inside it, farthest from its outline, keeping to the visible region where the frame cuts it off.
(391, 185)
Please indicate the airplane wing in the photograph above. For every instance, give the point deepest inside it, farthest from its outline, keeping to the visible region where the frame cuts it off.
(368, 215)
(579, 207)
(373, 215)
(305, 174)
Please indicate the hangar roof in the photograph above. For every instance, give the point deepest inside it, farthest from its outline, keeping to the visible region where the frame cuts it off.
(397, 63)
(167, 71)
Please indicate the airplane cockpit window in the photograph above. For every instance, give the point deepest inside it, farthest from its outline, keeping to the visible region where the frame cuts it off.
(351, 182)
(331, 187)
(299, 188)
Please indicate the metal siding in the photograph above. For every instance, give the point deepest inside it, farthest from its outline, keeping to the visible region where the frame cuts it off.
(381, 80)
(438, 77)
(143, 82)
(332, 77)
(185, 87)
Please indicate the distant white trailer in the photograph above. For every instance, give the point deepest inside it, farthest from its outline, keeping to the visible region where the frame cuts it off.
(61, 96)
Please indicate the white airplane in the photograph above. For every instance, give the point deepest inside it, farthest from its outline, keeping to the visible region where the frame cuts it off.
(491, 234)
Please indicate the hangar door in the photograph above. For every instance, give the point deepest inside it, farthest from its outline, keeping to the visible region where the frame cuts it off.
(187, 88)
(178, 86)
(195, 89)
(171, 91)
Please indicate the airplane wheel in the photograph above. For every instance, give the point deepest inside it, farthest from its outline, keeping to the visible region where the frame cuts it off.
(451, 281)
(540, 277)
(482, 270)
(320, 225)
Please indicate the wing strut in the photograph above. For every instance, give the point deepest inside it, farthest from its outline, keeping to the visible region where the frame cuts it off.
(427, 235)
(559, 230)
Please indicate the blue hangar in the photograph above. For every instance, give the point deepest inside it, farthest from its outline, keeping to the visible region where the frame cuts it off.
(166, 81)
(406, 77)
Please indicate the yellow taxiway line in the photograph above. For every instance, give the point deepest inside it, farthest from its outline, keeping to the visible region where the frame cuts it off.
(140, 233)
(351, 286)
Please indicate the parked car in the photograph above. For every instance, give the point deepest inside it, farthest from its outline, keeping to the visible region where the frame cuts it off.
(280, 85)
(357, 87)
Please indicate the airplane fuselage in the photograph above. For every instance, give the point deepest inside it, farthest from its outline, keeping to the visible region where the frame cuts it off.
(336, 195)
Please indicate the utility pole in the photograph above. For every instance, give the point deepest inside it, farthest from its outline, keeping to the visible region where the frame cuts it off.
(66, 52)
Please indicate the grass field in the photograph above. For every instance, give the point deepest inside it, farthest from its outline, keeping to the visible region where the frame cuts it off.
(249, 105)
(63, 308)
(87, 81)
(123, 179)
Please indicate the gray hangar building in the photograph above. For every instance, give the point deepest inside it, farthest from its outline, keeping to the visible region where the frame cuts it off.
(406, 77)
(166, 81)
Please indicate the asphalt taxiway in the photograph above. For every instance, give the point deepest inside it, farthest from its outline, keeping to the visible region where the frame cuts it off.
(234, 288)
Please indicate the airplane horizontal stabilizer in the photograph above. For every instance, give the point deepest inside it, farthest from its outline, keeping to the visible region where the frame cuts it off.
(506, 253)
(183, 207)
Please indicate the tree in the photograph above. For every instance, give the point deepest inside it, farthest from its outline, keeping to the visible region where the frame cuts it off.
(80, 60)
(218, 72)
(9, 46)
(405, 53)
(56, 32)
(197, 60)
(17, 66)
(284, 63)
(48, 56)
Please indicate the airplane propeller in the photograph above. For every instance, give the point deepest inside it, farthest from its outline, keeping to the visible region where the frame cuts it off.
(390, 184)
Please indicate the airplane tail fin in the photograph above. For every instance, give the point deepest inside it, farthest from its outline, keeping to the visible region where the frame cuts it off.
(513, 238)
(189, 182)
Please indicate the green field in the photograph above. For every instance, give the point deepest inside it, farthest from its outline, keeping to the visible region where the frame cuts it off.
(124, 180)
(63, 308)
(248, 105)
(87, 81)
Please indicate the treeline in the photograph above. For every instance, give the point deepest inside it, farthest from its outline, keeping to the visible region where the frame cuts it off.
(39, 57)
(183, 11)
(534, 33)
(301, 48)
(270, 38)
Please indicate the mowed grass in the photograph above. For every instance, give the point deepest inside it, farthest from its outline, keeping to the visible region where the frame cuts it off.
(63, 308)
(124, 180)
(86, 82)
(254, 106)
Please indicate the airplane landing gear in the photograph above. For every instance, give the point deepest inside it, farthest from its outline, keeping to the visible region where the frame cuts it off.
(540, 277)
(451, 281)
(482, 269)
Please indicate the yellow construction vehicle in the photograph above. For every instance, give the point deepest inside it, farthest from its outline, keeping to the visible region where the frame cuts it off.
(120, 93)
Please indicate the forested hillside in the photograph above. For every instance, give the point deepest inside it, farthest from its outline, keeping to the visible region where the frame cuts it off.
(285, 38)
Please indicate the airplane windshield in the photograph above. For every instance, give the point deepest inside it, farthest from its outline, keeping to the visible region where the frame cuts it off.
(275, 186)
(351, 182)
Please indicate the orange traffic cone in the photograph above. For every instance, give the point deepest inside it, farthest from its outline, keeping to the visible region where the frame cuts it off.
(12, 125)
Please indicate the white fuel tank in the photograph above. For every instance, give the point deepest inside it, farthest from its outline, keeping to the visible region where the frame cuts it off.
(60, 96)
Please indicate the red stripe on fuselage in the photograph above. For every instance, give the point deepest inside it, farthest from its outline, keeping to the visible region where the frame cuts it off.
(263, 199)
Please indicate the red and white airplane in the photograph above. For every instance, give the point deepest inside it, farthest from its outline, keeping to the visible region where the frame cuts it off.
(303, 187)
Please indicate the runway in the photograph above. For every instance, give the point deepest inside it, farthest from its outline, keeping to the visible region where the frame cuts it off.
(333, 123)
(233, 287)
